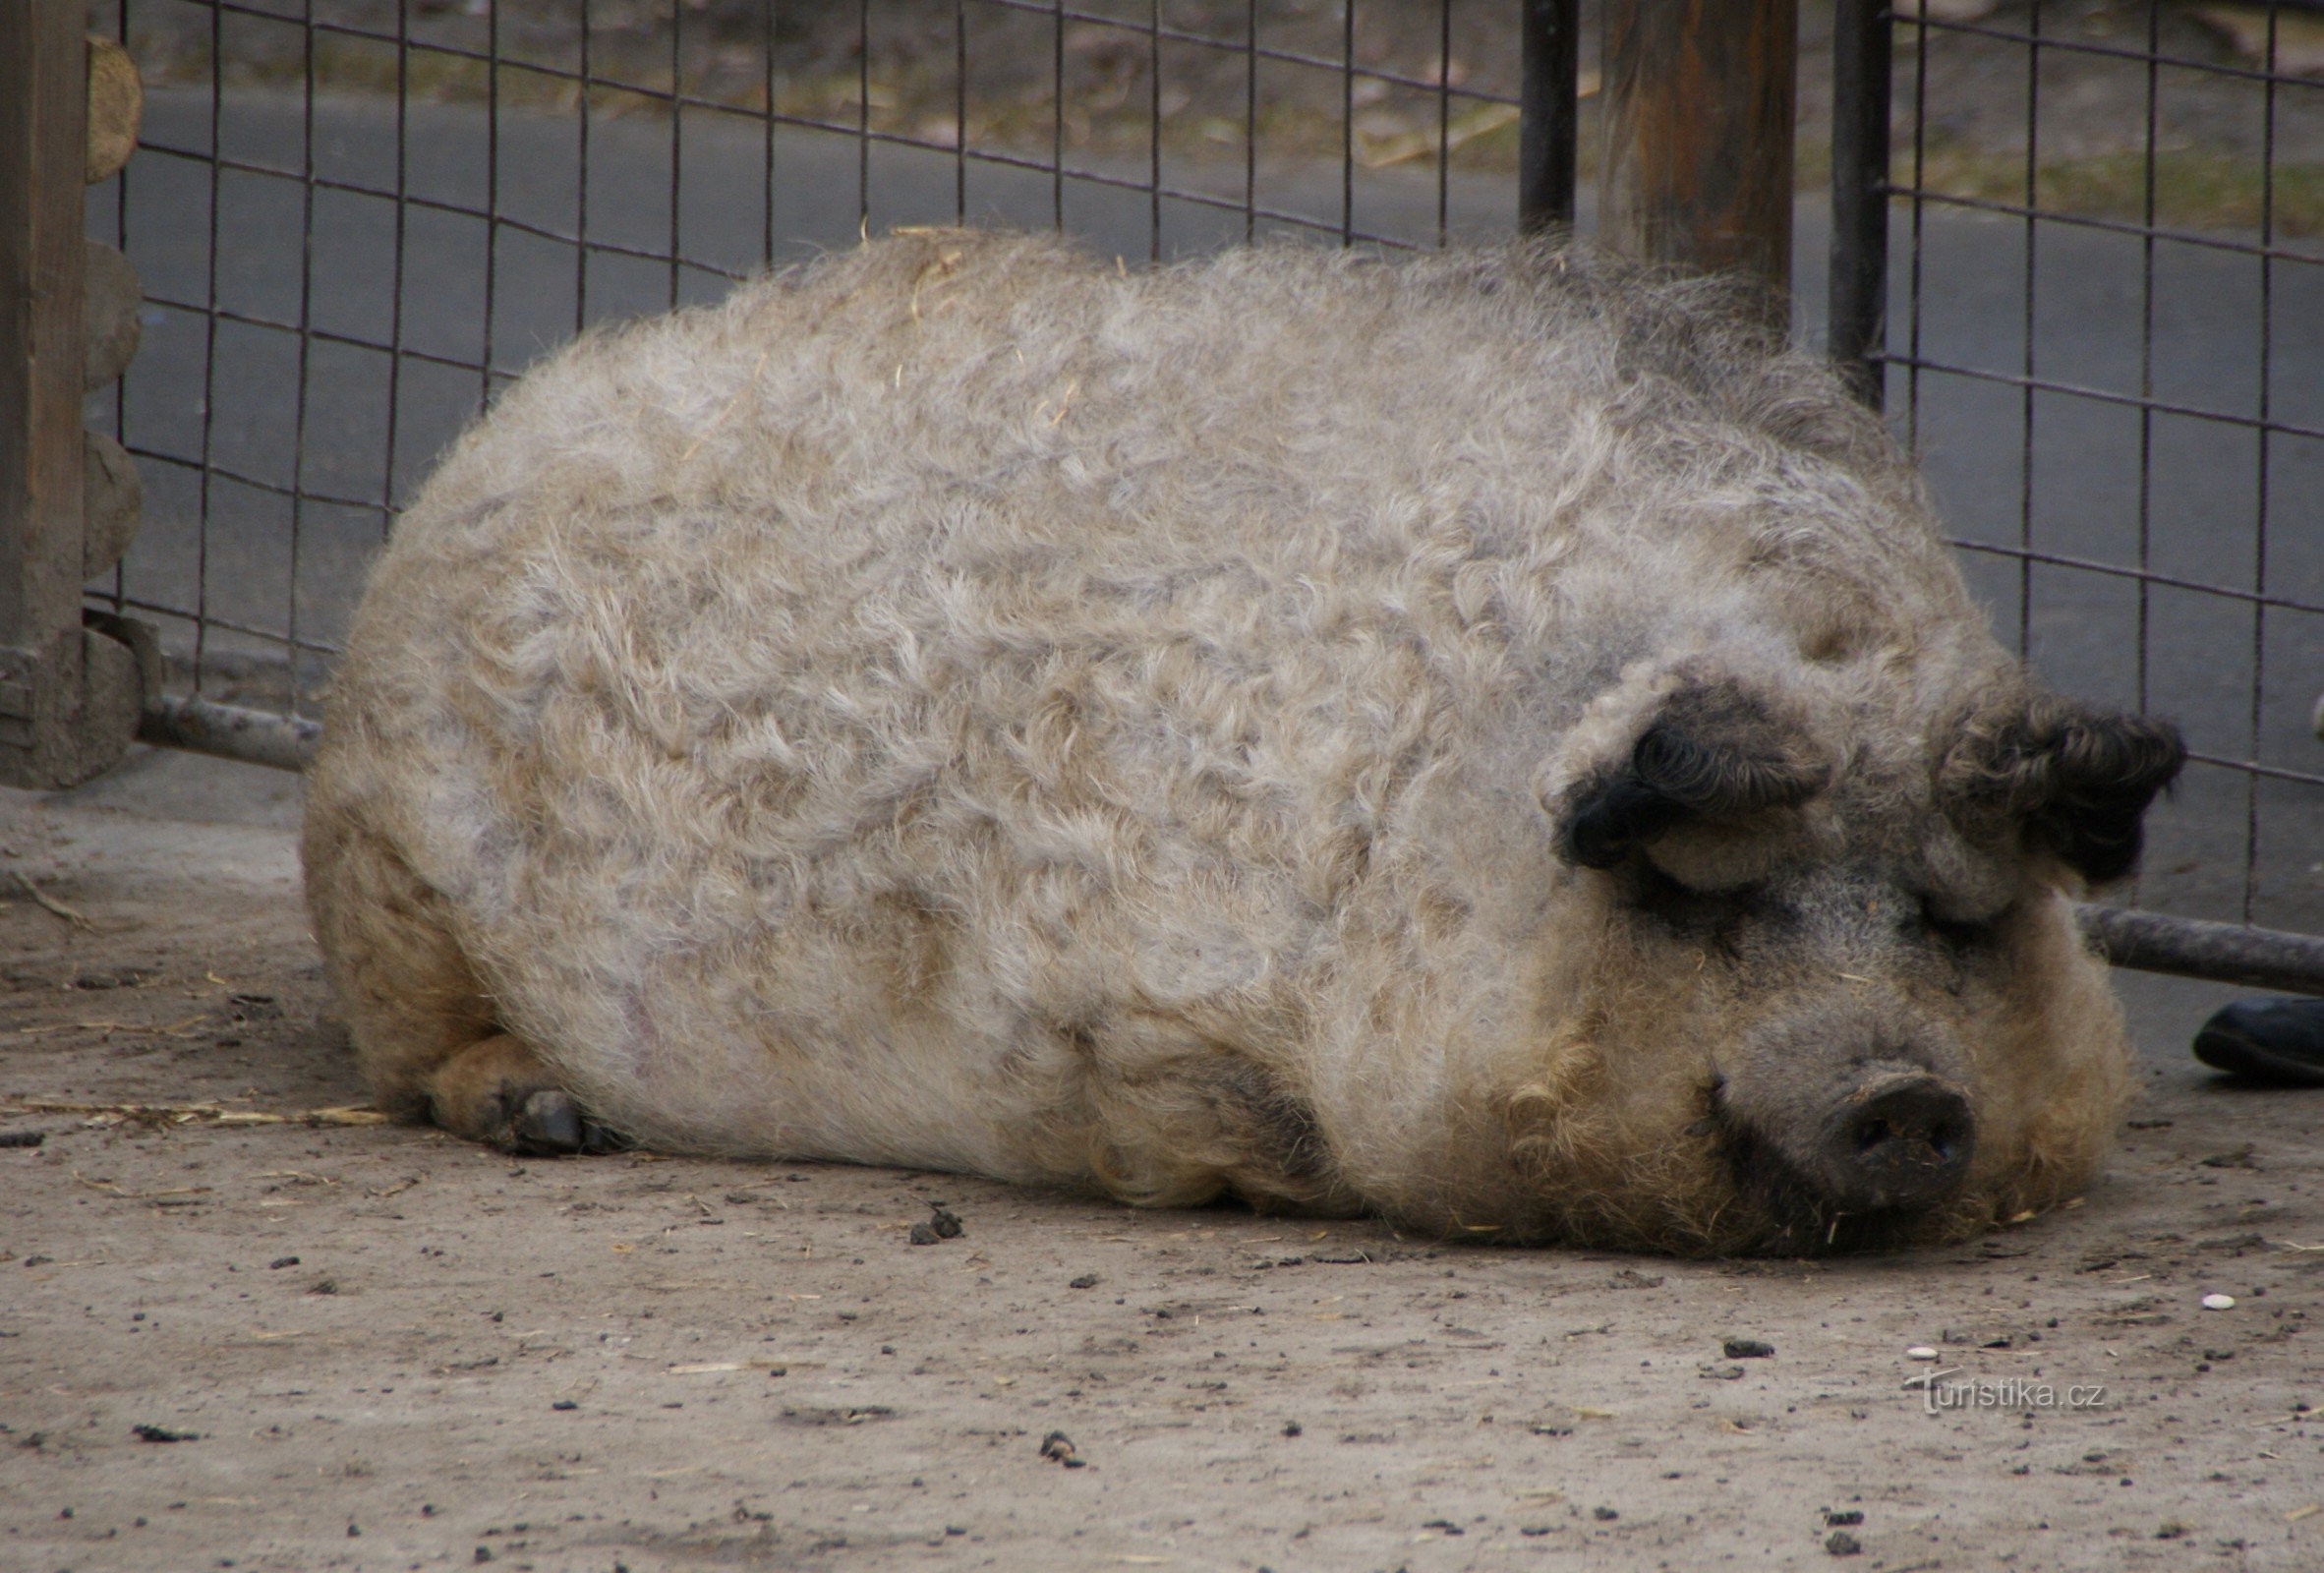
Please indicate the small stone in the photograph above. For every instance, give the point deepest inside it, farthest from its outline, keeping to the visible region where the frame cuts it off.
(1920, 1352)
(1604, 1515)
(944, 1222)
(1087, 1280)
(2219, 1302)
(1839, 1542)
(1747, 1348)
(922, 1235)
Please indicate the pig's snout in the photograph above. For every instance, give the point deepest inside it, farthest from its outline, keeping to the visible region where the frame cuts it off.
(1898, 1137)
(1846, 1121)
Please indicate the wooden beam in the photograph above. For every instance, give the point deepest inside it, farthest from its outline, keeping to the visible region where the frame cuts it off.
(1699, 101)
(68, 698)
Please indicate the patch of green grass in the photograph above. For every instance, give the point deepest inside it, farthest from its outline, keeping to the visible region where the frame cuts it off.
(2192, 190)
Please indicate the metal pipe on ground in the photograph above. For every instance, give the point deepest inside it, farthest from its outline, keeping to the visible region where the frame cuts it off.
(229, 731)
(2220, 953)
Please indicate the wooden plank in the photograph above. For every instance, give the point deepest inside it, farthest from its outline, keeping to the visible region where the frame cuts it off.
(1699, 98)
(66, 698)
(43, 103)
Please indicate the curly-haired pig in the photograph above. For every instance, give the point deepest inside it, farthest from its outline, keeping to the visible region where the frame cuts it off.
(1488, 739)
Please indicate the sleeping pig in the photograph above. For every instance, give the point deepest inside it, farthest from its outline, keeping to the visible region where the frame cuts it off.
(1488, 739)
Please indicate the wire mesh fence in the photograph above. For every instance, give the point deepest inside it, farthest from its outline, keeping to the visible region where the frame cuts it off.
(2107, 336)
(355, 219)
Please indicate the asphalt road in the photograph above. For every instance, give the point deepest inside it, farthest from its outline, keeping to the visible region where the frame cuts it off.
(368, 426)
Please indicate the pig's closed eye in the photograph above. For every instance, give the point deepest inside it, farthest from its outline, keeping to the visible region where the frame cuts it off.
(1687, 909)
(1961, 936)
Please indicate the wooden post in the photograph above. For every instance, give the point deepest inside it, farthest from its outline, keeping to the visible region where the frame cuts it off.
(1699, 101)
(69, 699)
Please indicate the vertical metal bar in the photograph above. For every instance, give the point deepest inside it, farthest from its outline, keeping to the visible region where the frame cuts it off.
(581, 184)
(2146, 341)
(767, 136)
(863, 117)
(1920, 221)
(120, 412)
(1346, 121)
(491, 255)
(1154, 130)
(298, 474)
(403, 104)
(1548, 113)
(960, 111)
(2026, 401)
(677, 145)
(1057, 118)
(1444, 123)
(2266, 411)
(1861, 63)
(1249, 121)
(209, 353)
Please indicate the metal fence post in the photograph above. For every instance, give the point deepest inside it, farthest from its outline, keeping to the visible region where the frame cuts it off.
(1696, 168)
(1549, 117)
(68, 698)
(1862, 39)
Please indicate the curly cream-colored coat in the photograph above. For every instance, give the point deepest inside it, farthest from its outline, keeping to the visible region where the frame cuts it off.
(964, 706)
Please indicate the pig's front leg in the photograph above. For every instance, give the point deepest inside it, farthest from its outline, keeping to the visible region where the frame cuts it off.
(497, 1091)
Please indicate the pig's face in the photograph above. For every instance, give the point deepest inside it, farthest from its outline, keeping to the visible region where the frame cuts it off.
(1838, 1000)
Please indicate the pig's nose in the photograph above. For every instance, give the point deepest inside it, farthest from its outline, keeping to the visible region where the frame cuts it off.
(1902, 1137)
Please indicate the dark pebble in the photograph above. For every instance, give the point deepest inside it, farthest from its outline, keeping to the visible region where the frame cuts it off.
(1291, 1427)
(1841, 1543)
(565, 1403)
(922, 1235)
(1058, 1446)
(1747, 1348)
(1846, 1518)
(283, 1261)
(944, 1222)
(1087, 1280)
(162, 1434)
(21, 1138)
(1604, 1515)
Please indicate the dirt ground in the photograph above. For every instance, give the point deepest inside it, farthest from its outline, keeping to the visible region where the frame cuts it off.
(228, 1343)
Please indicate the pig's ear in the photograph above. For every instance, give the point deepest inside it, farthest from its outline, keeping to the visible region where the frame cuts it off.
(1714, 751)
(2078, 780)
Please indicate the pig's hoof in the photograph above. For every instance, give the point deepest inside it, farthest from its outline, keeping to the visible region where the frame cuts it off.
(500, 1093)
(545, 1123)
